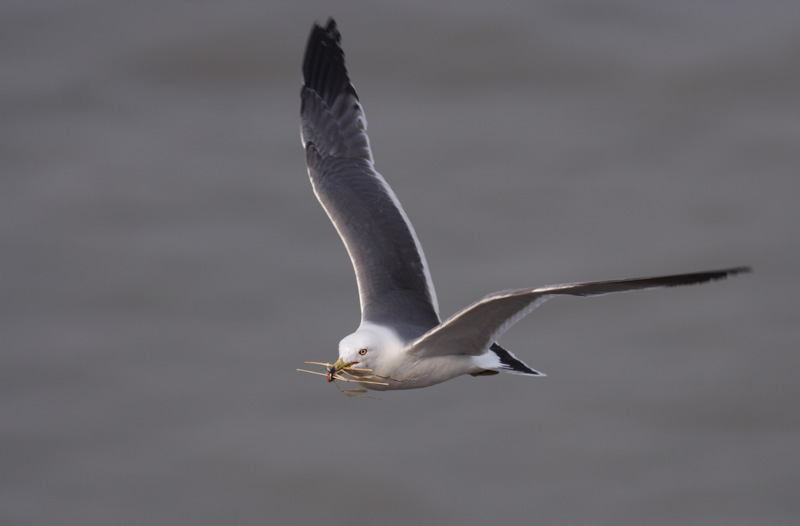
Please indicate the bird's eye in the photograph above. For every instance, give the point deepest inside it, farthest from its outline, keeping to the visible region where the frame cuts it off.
(362, 352)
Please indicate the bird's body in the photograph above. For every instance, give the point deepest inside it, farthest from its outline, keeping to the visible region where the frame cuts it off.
(401, 369)
(402, 339)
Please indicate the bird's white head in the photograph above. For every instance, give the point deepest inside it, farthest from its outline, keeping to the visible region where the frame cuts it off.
(371, 347)
(360, 349)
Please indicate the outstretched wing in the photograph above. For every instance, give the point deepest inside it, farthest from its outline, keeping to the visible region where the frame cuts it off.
(474, 329)
(394, 283)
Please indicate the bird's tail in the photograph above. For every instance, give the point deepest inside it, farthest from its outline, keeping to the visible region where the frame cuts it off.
(499, 360)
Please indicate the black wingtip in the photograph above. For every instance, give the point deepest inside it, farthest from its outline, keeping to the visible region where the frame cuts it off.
(323, 64)
(696, 278)
(700, 277)
(511, 363)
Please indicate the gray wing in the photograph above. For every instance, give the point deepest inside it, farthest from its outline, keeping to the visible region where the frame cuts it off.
(394, 283)
(474, 329)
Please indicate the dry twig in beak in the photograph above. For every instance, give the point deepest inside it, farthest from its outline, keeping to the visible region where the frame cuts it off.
(351, 375)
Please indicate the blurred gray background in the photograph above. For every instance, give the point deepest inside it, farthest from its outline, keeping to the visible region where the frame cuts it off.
(165, 267)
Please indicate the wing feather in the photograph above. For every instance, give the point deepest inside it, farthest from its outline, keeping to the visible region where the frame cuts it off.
(473, 329)
(394, 283)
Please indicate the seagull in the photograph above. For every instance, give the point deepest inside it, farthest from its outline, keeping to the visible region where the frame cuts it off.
(401, 339)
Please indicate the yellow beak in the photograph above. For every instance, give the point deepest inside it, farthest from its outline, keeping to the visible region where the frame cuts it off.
(334, 369)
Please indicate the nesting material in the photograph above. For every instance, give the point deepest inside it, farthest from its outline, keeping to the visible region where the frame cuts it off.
(350, 375)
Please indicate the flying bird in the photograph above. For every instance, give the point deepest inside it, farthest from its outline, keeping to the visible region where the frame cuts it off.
(402, 342)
